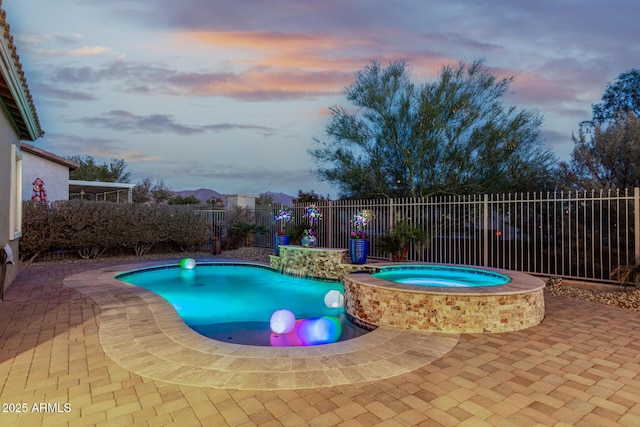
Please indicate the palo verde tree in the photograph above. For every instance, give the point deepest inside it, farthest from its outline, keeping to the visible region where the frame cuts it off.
(450, 136)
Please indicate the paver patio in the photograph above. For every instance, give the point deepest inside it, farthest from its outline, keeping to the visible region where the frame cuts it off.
(580, 367)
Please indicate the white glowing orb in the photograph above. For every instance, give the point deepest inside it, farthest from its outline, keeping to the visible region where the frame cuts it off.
(188, 263)
(282, 321)
(334, 299)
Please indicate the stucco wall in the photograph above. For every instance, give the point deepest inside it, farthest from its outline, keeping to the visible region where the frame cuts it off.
(7, 137)
(54, 175)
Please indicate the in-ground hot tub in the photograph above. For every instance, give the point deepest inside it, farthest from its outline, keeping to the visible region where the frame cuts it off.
(437, 297)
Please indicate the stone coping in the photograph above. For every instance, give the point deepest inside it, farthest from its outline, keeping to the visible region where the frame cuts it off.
(316, 248)
(141, 331)
(519, 282)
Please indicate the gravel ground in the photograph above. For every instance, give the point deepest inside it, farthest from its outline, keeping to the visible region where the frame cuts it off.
(624, 298)
(628, 299)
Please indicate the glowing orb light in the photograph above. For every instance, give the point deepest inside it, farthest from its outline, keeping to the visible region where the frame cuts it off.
(282, 321)
(334, 299)
(322, 330)
(188, 263)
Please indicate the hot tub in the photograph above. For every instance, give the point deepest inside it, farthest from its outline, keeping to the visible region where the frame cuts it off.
(430, 304)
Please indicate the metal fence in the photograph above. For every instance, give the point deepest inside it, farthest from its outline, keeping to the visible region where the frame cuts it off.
(581, 235)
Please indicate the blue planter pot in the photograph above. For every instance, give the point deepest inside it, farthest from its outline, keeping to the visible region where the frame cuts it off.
(358, 250)
(278, 241)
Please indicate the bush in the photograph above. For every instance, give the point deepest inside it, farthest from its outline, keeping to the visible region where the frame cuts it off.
(36, 236)
(184, 229)
(92, 228)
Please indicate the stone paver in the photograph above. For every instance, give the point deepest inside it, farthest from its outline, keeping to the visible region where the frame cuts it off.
(579, 367)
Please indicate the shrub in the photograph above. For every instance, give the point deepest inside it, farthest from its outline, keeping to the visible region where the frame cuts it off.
(185, 230)
(92, 228)
(36, 236)
(80, 226)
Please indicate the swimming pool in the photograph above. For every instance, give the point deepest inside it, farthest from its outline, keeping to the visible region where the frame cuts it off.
(445, 276)
(235, 302)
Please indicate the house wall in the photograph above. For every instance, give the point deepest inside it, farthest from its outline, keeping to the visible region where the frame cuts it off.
(7, 137)
(54, 175)
(242, 200)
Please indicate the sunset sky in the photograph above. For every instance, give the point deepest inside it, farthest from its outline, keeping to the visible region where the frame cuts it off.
(229, 95)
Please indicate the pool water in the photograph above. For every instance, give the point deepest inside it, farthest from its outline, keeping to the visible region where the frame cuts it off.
(442, 276)
(235, 302)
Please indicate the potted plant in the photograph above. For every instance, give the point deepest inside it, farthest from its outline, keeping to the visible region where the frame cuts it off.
(400, 238)
(359, 240)
(281, 238)
(310, 235)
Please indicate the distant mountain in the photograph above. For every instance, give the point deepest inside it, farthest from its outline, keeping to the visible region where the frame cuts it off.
(204, 194)
(282, 198)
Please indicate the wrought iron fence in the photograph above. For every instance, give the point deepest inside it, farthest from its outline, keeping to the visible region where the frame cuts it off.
(581, 235)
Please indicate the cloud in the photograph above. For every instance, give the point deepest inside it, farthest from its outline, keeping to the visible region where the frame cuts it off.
(80, 51)
(125, 121)
(240, 178)
(58, 39)
(100, 148)
(66, 144)
(255, 83)
(55, 92)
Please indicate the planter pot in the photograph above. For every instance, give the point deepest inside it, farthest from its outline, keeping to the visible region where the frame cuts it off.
(278, 241)
(309, 241)
(358, 250)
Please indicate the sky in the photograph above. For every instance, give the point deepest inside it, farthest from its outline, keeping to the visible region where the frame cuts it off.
(230, 95)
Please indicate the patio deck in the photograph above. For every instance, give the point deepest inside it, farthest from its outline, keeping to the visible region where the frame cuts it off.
(579, 367)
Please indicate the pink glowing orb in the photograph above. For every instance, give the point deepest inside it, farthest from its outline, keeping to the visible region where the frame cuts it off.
(282, 321)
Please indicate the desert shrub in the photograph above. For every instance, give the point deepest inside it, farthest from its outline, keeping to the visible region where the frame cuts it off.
(80, 226)
(234, 236)
(183, 228)
(142, 228)
(36, 236)
(92, 228)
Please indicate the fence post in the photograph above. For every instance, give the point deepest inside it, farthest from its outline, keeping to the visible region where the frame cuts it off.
(485, 231)
(636, 221)
(330, 228)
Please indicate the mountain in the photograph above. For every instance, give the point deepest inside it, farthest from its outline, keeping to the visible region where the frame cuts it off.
(282, 198)
(204, 194)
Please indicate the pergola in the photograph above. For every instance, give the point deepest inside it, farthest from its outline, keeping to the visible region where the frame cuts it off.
(119, 192)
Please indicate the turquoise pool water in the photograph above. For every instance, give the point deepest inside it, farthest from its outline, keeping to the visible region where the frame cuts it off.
(442, 276)
(235, 302)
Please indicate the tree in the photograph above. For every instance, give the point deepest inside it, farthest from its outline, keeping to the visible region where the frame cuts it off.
(606, 153)
(189, 200)
(309, 197)
(264, 199)
(621, 96)
(115, 171)
(608, 156)
(141, 192)
(160, 192)
(450, 136)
